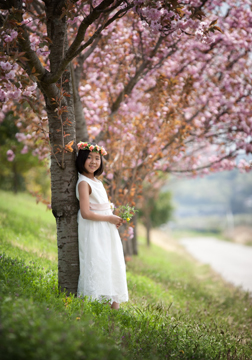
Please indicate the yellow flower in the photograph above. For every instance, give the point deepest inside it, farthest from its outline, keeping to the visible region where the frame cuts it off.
(128, 219)
(78, 318)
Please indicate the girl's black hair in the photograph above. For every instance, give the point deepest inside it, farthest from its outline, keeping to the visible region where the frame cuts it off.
(81, 159)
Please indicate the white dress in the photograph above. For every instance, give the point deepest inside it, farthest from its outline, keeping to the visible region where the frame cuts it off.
(102, 266)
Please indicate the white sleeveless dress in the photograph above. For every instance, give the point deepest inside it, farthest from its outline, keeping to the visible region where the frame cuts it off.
(102, 266)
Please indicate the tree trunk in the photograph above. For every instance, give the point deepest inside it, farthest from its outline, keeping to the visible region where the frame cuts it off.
(127, 244)
(65, 208)
(81, 126)
(134, 240)
(148, 228)
(63, 170)
(15, 177)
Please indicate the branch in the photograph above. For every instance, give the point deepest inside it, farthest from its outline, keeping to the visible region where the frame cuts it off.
(31, 55)
(92, 48)
(33, 31)
(38, 6)
(132, 82)
(112, 7)
(82, 58)
(31, 60)
(60, 4)
(97, 34)
(51, 90)
(230, 155)
(8, 4)
(75, 48)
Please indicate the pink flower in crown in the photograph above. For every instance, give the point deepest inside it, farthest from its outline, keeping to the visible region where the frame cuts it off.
(91, 148)
(82, 145)
(103, 151)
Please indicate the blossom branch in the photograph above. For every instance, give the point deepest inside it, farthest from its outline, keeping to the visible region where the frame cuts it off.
(75, 48)
(132, 82)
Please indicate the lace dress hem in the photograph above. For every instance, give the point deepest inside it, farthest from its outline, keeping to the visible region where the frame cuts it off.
(106, 298)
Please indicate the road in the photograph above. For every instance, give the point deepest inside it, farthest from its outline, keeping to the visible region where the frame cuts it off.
(232, 261)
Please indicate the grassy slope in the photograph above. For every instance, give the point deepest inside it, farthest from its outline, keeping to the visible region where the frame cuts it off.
(177, 309)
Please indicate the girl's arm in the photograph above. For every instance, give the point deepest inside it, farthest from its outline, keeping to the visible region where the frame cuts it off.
(86, 213)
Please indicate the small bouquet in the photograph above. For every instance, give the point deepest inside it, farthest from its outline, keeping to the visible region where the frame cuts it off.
(126, 212)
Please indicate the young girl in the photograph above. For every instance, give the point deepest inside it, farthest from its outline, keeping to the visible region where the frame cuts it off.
(102, 267)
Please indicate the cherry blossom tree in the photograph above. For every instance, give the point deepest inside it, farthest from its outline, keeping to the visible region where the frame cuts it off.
(158, 86)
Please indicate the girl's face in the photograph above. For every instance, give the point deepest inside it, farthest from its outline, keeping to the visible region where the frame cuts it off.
(93, 162)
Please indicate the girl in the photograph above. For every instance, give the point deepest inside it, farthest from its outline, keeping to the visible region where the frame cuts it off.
(102, 267)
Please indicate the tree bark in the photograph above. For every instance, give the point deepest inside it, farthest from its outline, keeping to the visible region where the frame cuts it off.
(15, 177)
(148, 228)
(129, 247)
(63, 170)
(127, 244)
(65, 207)
(134, 240)
(81, 126)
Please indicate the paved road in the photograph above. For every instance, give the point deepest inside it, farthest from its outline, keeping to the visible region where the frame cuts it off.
(232, 261)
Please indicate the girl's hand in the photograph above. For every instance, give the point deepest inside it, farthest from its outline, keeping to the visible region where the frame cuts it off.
(116, 220)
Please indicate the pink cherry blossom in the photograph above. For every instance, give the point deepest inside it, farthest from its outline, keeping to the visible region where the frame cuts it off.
(218, 108)
(24, 150)
(130, 232)
(10, 155)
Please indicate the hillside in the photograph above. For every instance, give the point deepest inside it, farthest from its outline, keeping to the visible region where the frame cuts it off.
(178, 309)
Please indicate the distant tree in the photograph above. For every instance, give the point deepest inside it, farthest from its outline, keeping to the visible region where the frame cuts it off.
(12, 172)
(22, 169)
(156, 209)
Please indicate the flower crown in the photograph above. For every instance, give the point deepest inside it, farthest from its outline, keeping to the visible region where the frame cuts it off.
(95, 148)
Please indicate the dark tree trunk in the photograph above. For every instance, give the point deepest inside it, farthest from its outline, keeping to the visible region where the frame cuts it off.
(148, 228)
(15, 177)
(65, 208)
(134, 240)
(129, 247)
(63, 170)
(81, 127)
(127, 244)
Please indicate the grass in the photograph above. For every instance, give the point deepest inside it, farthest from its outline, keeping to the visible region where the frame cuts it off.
(177, 309)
